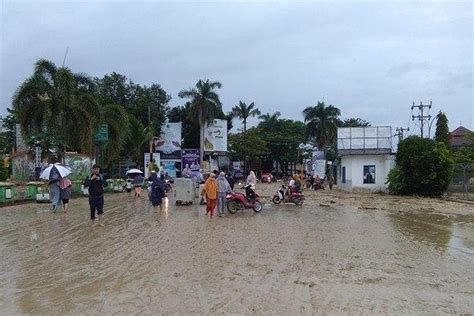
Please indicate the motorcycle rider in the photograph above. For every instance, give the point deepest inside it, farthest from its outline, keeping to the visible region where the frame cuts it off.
(252, 180)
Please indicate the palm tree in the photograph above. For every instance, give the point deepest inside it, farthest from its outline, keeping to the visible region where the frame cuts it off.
(55, 107)
(269, 120)
(321, 123)
(244, 111)
(58, 109)
(205, 104)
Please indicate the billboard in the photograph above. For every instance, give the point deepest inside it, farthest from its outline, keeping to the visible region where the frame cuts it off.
(168, 167)
(169, 142)
(190, 158)
(215, 136)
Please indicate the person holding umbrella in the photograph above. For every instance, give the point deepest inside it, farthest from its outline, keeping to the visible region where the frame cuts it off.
(96, 183)
(137, 181)
(53, 173)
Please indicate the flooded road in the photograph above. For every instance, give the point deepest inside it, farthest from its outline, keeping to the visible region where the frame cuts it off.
(339, 253)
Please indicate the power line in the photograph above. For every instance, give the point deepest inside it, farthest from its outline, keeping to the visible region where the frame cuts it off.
(400, 131)
(421, 117)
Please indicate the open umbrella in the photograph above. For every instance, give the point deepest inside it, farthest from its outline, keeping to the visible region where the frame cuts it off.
(55, 172)
(134, 171)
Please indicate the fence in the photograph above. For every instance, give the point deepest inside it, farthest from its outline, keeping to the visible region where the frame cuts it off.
(462, 181)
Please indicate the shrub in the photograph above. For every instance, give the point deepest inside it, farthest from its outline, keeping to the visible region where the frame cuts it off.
(423, 167)
(3, 172)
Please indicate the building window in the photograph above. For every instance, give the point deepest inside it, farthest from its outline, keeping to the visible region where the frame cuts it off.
(369, 174)
(343, 174)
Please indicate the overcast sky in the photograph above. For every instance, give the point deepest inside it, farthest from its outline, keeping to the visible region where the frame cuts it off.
(371, 59)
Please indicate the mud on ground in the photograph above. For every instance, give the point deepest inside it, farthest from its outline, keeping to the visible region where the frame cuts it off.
(338, 254)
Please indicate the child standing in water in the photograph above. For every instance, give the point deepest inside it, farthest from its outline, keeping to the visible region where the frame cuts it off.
(210, 192)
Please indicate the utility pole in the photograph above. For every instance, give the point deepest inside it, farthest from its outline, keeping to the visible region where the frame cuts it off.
(421, 117)
(400, 131)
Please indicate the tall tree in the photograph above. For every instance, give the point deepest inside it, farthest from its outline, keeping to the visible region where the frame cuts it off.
(9, 125)
(321, 123)
(205, 103)
(244, 111)
(55, 107)
(442, 129)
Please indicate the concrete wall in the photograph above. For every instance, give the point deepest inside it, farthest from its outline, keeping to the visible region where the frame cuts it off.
(355, 171)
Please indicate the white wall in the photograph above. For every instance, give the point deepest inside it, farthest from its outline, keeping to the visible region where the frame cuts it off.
(355, 171)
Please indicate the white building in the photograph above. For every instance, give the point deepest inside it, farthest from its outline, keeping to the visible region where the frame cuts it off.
(366, 157)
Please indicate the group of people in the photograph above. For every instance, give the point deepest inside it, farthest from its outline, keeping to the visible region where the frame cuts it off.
(59, 191)
(216, 188)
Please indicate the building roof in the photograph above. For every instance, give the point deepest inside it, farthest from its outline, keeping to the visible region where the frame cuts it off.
(457, 137)
(460, 131)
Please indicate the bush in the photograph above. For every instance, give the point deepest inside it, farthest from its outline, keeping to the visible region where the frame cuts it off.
(423, 167)
(3, 172)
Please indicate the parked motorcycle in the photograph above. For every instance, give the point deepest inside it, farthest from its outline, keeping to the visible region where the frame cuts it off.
(238, 201)
(288, 195)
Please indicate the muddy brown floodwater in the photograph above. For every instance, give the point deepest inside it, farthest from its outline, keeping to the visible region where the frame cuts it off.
(338, 254)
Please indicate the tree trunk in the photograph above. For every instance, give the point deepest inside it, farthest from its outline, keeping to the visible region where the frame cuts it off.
(201, 137)
(245, 125)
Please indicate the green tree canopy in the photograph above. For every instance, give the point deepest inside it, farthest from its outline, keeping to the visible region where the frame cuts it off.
(353, 122)
(321, 123)
(53, 105)
(442, 129)
(248, 146)
(423, 167)
(244, 111)
(205, 105)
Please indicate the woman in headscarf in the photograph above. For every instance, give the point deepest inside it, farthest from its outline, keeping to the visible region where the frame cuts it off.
(65, 186)
(54, 191)
(223, 187)
(210, 192)
(157, 190)
(252, 180)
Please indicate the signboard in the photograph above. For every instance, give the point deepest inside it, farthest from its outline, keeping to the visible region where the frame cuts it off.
(236, 165)
(146, 162)
(169, 142)
(215, 136)
(169, 168)
(319, 163)
(190, 159)
(319, 168)
(102, 133)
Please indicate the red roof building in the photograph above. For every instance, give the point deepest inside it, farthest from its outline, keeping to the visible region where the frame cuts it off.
(458, 137)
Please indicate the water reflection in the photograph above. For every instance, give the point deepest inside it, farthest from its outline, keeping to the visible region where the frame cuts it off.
(434, 229)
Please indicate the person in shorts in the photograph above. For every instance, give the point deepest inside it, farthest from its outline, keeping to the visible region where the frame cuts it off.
(96, 183)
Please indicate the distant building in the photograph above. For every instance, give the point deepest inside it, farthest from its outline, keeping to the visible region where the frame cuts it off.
(458, 137)
(366, 157)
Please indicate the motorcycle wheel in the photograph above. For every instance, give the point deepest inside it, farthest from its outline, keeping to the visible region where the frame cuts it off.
(233, 206)
(276, 199)
(258, 207)
(299, 202)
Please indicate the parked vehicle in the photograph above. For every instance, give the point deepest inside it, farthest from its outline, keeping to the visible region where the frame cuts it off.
(267, 177)
(290, 195)
(237, 201)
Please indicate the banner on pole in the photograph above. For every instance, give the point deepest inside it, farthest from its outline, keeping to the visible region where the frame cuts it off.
(169, 142)
(215, 136)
